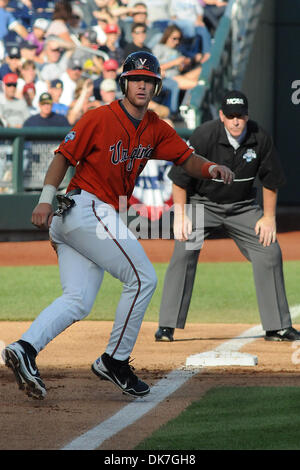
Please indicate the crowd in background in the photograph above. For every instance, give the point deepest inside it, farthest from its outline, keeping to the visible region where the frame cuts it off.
(59, 59)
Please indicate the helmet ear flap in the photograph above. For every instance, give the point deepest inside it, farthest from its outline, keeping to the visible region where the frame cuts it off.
(158, 87)
(123, 85)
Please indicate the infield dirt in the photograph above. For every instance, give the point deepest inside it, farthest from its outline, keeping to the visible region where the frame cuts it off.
(77, 400)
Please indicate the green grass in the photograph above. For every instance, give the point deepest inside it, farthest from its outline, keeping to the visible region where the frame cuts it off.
(234, 418)
(223, 292)
(225, 418)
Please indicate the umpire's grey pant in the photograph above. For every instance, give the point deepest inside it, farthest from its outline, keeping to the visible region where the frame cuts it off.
(238, 220)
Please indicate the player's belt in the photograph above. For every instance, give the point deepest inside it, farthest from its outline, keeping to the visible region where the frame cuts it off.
(65, 202)
(73, 192)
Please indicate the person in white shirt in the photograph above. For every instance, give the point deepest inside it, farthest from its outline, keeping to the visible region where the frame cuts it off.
(14, 111)
(70, 78)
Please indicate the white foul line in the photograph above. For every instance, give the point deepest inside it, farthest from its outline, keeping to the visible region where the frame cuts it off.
(93, 438)
(129, 414)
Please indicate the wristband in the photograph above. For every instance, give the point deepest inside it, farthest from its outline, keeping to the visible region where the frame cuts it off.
(206, 169)
(47, 194)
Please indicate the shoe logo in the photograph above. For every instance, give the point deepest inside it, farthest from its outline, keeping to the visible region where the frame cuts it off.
(124, 386)
(29, 366)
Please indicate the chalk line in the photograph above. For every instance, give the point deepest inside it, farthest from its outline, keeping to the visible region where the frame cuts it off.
(93, 438)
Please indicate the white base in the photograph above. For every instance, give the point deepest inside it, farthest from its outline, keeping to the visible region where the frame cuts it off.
(215, 358)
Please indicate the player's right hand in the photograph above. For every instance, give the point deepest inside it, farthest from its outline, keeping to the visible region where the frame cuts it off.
(42, 215)
(222, 172)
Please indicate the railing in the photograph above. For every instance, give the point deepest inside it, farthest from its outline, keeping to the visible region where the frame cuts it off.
(25, 155)
(226, 67)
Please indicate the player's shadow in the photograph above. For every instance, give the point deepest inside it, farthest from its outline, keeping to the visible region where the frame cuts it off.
(220, 339)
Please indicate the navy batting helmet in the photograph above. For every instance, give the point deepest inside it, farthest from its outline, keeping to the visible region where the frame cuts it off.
(141, 63)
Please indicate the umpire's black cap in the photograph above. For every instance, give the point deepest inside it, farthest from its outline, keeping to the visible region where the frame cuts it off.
(235, 102)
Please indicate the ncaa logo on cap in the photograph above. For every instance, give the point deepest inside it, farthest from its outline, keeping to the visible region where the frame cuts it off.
(235, 101)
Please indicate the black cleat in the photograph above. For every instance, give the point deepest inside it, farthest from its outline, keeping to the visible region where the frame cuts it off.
(164, 333)
(121, 374)
(25, 370)
(287, 334)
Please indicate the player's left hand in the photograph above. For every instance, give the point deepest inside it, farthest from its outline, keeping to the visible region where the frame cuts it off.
(222, 172)
(42, 215)
(266, 229)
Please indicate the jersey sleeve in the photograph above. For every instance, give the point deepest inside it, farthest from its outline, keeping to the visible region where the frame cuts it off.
(270, 171)
(78, 143)
(170, 146)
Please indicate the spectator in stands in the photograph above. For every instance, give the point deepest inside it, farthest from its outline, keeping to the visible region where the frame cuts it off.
(138, 33)
(102, 18)
(59, 24)
(55, 89)
(37, 35)
(111, 46)
(28, 51)
(9, 23)
(70, 78)
(108, 90)
(12, 62)
(188, 16)
(91, 62)
(76, 23)
(213, 12)
(174, 65)
(28, 75)
(46, 117)
(114, 7)
(158, 13)
(29, 93)
(109, 70)
(54, 58)
(83, 101)
(87, 8)
(13, 111)
(139, 14)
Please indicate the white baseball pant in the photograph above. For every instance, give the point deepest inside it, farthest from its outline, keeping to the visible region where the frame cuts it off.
(91, 238)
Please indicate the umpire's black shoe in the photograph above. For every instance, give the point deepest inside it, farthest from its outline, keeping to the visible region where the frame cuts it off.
(287, 334)
(121, 374)
(164, 333)
(25, 370)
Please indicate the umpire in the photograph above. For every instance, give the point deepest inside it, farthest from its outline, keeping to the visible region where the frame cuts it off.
(241, 144)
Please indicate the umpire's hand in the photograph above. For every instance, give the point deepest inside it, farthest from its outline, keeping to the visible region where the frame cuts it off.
(266, 229)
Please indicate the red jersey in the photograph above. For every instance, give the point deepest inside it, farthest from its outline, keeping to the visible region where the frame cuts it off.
(109, 152)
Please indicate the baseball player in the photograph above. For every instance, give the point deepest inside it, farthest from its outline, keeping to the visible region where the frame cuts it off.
(109, 147)
(248, 150)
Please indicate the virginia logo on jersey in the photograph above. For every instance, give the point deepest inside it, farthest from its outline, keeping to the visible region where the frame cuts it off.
(249, 155)
(119, 154)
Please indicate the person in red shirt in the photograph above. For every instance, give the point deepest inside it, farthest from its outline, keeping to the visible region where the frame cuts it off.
(108, 147)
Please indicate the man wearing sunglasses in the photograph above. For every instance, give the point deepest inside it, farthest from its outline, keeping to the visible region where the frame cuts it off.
(14, 111)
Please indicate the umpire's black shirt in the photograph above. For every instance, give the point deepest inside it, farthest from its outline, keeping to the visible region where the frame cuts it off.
(256, 156)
